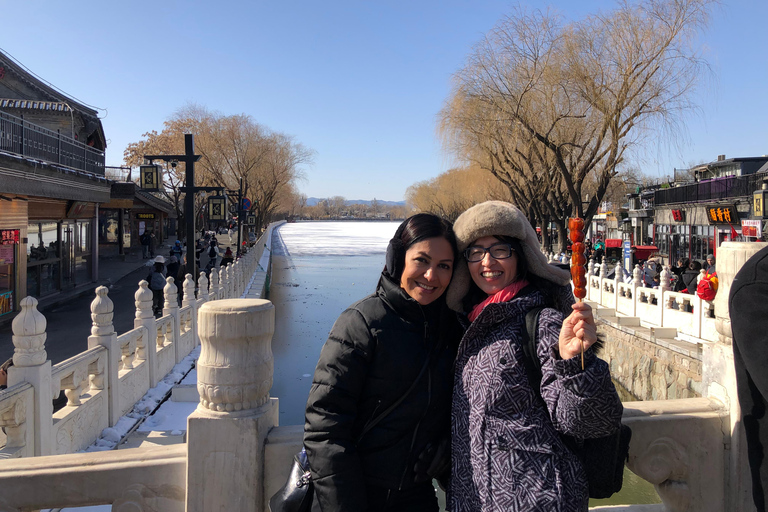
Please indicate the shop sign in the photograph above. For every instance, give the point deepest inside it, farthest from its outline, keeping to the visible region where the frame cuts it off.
(758, 204)
(753, 228)
(9, 236)
(722, 214)
(678, 215)
(145, 216)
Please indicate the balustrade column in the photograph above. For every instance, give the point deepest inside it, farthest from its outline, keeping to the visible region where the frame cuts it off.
(171, 307)
(191, 301)
(215, 285)
(202, 284)
(31, 364)
(718, 373)
(103, 334)
(145, 318)
(226, 433)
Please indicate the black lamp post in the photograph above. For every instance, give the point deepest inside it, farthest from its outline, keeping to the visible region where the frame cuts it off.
(188, 158)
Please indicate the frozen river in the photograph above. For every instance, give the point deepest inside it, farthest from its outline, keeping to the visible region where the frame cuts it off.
(318, 269)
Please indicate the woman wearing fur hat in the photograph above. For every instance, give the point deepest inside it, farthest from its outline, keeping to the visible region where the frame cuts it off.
(506, 451)
(381, 393)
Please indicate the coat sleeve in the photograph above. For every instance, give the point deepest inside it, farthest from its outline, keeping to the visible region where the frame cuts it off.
(583, 404)
(331, 415)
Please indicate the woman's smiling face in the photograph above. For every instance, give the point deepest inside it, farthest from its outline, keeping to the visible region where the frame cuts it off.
(428, 269)
(489, 274)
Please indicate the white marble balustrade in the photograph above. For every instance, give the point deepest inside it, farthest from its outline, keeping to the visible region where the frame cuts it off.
(105, 381)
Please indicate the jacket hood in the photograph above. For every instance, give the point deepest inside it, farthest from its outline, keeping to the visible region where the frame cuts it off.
(497, 218)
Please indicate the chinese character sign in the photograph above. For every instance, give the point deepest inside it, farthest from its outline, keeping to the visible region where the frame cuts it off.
(722, 214)
(9, 236)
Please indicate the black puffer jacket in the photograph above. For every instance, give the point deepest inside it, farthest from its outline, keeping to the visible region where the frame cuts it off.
(373, 354)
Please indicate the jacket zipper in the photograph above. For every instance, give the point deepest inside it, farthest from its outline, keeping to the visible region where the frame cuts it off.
(426, 409)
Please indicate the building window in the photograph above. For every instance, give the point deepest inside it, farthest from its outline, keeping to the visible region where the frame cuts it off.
(43, 258)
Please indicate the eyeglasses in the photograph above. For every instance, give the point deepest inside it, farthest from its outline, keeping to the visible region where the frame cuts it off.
(500, 251)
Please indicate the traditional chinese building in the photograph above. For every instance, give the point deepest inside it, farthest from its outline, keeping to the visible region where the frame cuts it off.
(51, 182)
(713, 204)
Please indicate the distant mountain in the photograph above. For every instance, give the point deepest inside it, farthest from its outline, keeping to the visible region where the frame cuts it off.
(312, 201)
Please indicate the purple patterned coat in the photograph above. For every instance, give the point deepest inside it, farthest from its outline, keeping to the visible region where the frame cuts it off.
(506, 453)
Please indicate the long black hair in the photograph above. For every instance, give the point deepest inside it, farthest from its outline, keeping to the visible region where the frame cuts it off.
(413, 230)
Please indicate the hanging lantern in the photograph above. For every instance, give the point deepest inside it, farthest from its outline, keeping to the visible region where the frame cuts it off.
(758, 203)
(217, 208)
(150, 178)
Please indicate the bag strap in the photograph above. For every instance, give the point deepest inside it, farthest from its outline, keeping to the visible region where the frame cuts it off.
(530, 354)
(374, 421)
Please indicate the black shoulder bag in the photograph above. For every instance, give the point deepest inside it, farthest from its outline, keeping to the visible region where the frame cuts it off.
(297, 492)
(603, 458)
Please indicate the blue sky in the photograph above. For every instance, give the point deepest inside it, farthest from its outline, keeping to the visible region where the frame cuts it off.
(359, 82)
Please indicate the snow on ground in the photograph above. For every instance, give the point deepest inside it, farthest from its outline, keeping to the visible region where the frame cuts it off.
(171, 416)
(352, 238)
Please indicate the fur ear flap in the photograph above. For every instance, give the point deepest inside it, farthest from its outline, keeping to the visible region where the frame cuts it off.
(395, 257)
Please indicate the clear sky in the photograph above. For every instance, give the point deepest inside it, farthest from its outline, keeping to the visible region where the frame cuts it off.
(360, 82)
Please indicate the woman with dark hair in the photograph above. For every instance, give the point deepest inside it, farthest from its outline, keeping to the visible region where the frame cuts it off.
(506, 449)
(381, 393)
(678, 271)
(691, 277)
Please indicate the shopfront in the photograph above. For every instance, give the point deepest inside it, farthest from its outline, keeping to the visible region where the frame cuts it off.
(59, 255)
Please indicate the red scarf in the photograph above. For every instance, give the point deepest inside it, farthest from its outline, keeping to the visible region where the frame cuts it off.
(504, 295)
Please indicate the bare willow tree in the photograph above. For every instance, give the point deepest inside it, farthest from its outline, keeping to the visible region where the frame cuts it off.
(547, 106)
(234, 150)
(452, 192)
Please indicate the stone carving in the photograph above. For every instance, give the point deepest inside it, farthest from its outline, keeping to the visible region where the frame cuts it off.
(171, 293)
(215, 284)
(29, 335)
(102, 312)
(73, 385)
(13, 416)
(189, 290)
(234, 371)
(202, 284)
(664, 463)
(141, 498)
(637, 275)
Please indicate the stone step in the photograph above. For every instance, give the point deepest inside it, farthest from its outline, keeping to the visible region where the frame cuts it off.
(185, 393)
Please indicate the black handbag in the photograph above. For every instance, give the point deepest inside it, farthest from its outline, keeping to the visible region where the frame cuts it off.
(297, 493)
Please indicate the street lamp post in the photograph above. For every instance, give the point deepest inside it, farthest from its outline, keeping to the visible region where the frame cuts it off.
(189, 158)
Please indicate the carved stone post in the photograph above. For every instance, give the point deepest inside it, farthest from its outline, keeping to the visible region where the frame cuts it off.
(145, 318)
(215, 285)
(30, 365)
(664, 282)
(191, 301)
(591, 267)
(223, 283)
(718, 374)
(226, 434)
(603, 269)
(202, 284)
(171, 307)
(103, 334)
(637, 277)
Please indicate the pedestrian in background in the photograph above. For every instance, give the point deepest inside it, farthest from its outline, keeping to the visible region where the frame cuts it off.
(156, 281)
(152, 242)
(691, 276)
(710, 268)
(749, 324)
(227, 259)
(144, 239)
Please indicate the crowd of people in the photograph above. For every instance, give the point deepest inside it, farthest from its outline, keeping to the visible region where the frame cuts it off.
(175, 265)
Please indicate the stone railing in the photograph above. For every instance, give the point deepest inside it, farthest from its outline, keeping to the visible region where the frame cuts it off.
(693, 317)
(221, 467)
(103, 383)
(692, 450)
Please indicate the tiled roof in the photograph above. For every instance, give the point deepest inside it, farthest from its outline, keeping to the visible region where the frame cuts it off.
(56, 106)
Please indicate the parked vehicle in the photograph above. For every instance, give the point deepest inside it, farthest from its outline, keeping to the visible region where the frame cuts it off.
(614, 251)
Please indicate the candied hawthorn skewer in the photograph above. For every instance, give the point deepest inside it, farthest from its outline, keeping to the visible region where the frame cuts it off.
(578, 260)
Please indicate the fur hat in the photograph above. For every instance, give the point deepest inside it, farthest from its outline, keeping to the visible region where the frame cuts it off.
(497, 218)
